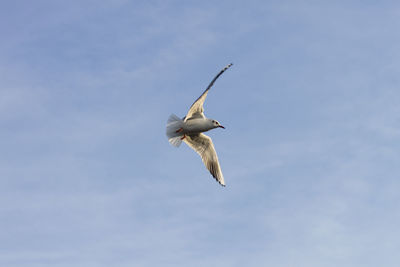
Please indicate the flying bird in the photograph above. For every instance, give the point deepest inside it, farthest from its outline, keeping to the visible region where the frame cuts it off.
(190, 130)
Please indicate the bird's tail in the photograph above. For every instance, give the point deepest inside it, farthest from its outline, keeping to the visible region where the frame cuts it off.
(173, 125)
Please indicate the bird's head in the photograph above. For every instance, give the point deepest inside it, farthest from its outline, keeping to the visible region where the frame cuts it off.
(216, 124)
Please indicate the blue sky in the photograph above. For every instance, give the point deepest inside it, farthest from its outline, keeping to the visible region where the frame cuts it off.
(310, 154)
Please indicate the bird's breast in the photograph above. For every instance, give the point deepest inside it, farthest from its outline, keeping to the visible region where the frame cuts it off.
(196, 126)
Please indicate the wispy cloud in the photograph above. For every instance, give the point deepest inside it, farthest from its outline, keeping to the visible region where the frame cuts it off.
(309, 154)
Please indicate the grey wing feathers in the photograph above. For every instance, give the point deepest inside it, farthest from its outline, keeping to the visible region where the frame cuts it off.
(203, 145)
(196, 110)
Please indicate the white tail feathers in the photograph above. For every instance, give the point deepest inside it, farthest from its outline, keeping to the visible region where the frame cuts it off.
(173, 125)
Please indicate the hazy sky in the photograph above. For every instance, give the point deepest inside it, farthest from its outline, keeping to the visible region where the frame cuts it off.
(310, 153)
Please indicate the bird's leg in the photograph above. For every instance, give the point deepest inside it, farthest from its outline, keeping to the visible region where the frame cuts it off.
(183, 137)
(179, 130)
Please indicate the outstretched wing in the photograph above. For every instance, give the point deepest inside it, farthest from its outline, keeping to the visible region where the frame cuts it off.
(196, 110)
(203, 145)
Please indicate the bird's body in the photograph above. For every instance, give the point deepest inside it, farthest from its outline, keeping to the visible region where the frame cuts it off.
(190, 129)
(197, 125)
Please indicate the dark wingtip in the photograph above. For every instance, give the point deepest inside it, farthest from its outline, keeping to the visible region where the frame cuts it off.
(219, 182)
(229, 65)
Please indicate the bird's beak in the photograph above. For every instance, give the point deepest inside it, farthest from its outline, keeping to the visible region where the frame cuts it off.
(220, 126)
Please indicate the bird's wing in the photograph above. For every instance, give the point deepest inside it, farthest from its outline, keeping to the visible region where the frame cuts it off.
(196, 110)
(203, 145)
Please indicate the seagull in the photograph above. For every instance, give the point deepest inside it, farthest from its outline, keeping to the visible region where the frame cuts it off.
(190, 130)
